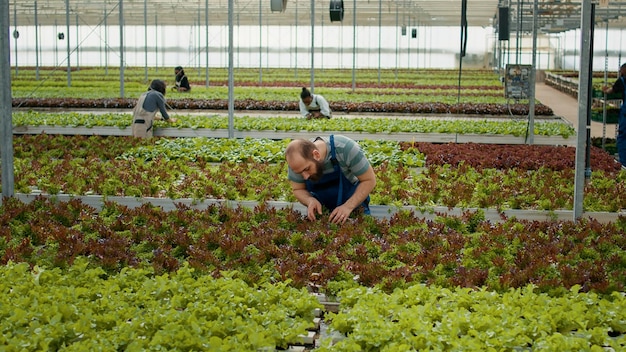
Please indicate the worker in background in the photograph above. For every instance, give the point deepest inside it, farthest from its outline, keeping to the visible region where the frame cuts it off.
(147, 106)
(620, 87)
(314, 106)
(182, 83)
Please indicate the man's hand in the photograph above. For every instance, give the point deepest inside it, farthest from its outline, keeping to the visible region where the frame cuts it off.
(340, 214)
(314, 207)
(172, 120)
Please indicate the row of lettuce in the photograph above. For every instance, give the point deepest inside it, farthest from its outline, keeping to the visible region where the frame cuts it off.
(388, 125)
(228, 278)
(238, 169)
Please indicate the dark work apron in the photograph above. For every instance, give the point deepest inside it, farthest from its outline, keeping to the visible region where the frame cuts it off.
(334, 189)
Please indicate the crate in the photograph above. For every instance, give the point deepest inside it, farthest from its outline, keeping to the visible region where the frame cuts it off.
(612, 116)
(599, 94)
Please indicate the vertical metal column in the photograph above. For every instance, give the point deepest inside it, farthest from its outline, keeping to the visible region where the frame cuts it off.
(397, 17)
(322, 46)
(145, 39)
(198, 58)
(106, 43)
(206, 41)
(312, 46)
(156, 43)
(380, 25)
(583, 98)
(15, 35)
(260, 41)
(606, 73)
(36, 44)
(77, 46)
(67, 37)
(296, 45)
(122, 48)
(56, 44)
(533, 78)
(353, 45)
(231, 76)
(6, 119)
(518, 33)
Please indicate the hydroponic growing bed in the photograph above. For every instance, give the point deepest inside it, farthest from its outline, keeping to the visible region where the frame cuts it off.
(240, 274)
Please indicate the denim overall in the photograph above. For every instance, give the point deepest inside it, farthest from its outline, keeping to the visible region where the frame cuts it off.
(621, 127)
(334, 189)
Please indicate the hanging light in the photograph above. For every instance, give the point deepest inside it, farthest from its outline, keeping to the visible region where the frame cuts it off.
(336, 10)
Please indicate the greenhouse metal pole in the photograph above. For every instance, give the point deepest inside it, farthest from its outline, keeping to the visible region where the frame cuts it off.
(67, 37)
(206, 42)
(583, 101)
(198, 58)
(396, 73)
(231, 78)
(106, 43)
(122, 48)
(354, 46)
(36, 44)
(145, 39)
(312, 46)
(15, 34)
(6, 123)
(156, 43)
(77, 46)
(533, 75)
(380, 25)
(56, 44)
(296, 46)
(260, 41)
(322, 46)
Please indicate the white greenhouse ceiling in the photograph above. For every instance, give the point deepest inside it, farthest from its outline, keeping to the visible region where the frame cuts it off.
(554, 15)
(251, 12)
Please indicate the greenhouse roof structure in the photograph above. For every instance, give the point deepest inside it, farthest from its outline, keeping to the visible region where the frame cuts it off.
(553, 15)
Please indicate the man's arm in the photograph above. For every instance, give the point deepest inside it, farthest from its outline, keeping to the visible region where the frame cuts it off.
(305, 198)
(367, 182)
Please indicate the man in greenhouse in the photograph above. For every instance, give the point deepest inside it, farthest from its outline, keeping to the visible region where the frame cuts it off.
(331, 172)
(146, 108)
(314, 106)
(620, 87)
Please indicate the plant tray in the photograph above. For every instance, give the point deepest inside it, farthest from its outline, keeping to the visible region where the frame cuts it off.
(599, 94)
(612, 116)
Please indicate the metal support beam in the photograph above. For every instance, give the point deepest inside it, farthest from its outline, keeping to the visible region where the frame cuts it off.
(6, 120)
(36, 44)
(312, 46)
(583, 98)
(67, 37)
(15, 36)
(231, 75)
(145, 39)
(533, 79)
(354, 46)
(122, 49)
(206, 42)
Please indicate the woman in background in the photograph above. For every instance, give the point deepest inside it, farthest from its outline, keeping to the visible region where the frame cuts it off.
(146, 108)
(314, 106)
(182, 83)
